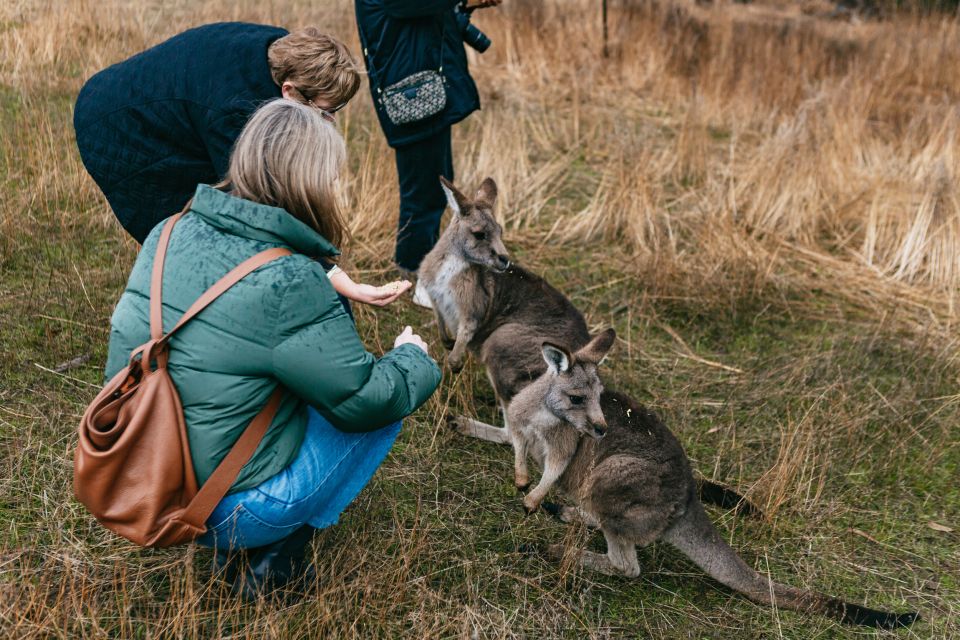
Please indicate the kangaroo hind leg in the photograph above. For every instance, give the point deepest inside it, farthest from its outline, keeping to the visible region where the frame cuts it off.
(475, 429)
(622, 554)
(620, 559)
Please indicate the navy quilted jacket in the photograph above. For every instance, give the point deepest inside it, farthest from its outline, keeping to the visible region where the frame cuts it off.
(402, 37)
(150, 128)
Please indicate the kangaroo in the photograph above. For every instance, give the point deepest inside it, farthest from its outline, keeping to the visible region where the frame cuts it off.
(629, 476)
(623, 467)
(459, 272)
(501, 312)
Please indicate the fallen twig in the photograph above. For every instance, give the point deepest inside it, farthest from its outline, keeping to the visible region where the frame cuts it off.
(690, 355)
(72, 363)
(63, 375)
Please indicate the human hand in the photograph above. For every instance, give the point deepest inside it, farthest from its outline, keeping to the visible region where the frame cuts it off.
(483, 4)
(380, 296)
(407, 336)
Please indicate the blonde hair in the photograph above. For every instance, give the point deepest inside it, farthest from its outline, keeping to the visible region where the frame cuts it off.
(317, 65)
(289, 156)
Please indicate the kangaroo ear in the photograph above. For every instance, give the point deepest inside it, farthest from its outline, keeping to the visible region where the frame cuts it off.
(456, 200)
(487, 191)
(596, 350)
(558, 359)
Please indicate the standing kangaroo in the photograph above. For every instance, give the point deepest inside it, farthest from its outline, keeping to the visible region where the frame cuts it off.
(503, 313)
(629, 476)
(627, 472)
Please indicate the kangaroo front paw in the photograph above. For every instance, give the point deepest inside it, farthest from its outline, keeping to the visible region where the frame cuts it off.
(522, 484)
(455, 364)
(531, 505)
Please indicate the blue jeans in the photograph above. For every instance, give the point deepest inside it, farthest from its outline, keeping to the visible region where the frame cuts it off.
(327, 474)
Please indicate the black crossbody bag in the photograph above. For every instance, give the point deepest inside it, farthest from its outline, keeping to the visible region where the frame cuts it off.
(414, 98)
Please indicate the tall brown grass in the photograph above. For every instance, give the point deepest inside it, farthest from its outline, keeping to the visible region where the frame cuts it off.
(834, 137)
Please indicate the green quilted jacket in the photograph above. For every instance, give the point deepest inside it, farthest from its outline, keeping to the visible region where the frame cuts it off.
(282, 323)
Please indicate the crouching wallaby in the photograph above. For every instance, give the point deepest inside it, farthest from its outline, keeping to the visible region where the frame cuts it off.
(503, 313)
(630, 477)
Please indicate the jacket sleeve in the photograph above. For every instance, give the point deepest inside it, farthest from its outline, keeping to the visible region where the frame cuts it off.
(417, 8)
(320, 357)
(219, 131)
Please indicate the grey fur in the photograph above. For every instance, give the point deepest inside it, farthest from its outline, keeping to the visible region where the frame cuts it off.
(487, 306)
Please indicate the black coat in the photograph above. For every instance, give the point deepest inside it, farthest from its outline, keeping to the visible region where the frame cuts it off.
(402, 37)
(150, 128)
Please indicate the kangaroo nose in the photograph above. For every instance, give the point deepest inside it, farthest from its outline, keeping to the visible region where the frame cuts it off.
(599, 430)
(503, 261)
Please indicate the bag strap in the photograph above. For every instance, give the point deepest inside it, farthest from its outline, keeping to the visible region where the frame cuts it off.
(156, 279)
(223, 477)
(219, 287)
(371, 71)
(237, 274)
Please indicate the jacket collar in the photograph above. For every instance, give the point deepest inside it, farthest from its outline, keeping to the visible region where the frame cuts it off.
(261, 222)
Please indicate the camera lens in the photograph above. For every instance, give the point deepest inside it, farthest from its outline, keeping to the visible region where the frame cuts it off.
(476, 38)
(470, 34)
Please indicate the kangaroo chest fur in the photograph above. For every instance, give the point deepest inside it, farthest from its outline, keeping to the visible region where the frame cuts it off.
(536, 430)
(546, 436)
(447, 287)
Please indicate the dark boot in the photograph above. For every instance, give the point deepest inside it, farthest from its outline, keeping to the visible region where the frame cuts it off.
(276, 565)
(227, 563)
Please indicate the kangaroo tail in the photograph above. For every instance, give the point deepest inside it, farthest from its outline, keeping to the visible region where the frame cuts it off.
(697, 538)
(713, 493)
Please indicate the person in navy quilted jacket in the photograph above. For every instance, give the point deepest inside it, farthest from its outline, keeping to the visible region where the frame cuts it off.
(150, 128)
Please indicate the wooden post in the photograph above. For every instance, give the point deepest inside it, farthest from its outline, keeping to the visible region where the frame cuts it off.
(606, 50)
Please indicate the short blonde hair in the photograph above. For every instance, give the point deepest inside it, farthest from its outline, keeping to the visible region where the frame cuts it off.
(317, 65)
(289, 156)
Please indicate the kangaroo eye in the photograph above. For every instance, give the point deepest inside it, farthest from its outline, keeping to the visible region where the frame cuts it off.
(480, 235)
(576, 400)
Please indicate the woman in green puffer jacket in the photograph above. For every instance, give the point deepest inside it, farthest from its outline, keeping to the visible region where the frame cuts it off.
(282, 324)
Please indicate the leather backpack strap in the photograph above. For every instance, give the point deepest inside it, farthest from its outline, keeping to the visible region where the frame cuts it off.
(233, 277)
(156, 279)
(219, 287)
(223, 477)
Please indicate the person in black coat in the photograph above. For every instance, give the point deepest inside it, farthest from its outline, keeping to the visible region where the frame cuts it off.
(150, 128)
(400, 38)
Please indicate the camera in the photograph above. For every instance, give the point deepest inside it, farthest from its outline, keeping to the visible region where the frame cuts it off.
(470, 34)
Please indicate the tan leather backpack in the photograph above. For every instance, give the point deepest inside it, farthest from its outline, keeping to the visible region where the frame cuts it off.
(132, 468)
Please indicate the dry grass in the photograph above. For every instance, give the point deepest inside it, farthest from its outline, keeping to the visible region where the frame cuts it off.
(764, 203)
